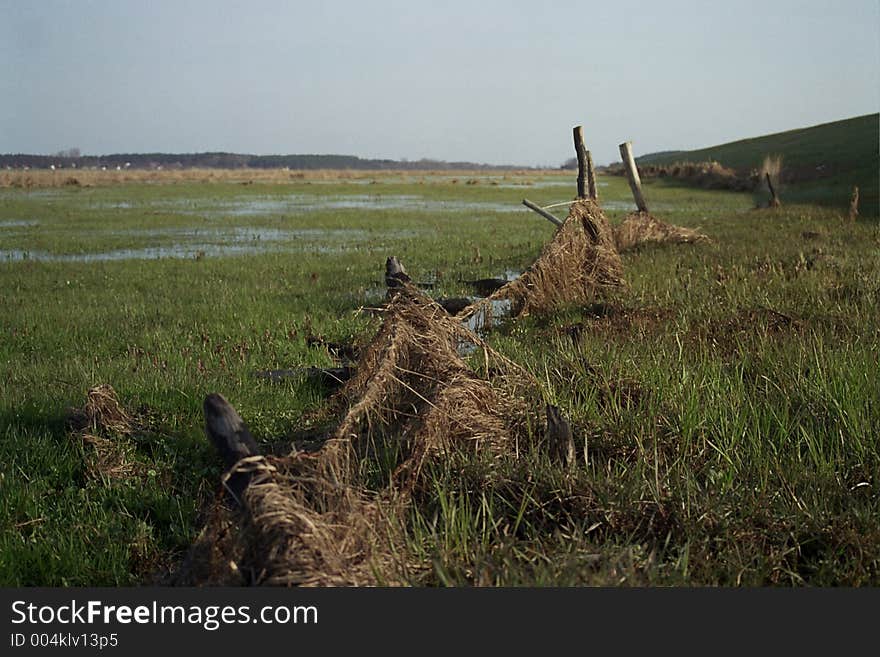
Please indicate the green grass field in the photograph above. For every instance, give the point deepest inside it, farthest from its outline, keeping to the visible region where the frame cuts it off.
(823, 161)
(725, 406)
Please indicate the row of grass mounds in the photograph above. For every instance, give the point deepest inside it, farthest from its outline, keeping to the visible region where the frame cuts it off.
(425, 387)
(577, 265)
(100, 428)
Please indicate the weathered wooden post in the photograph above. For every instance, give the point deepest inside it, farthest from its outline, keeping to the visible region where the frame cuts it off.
(854, 204)
(774, 199)
(560, 440)
(591, 178)
(232, 439)
(581, 151)
(632, 174)
(586, 174)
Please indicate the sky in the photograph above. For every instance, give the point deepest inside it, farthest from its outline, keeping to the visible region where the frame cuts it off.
(499, 82)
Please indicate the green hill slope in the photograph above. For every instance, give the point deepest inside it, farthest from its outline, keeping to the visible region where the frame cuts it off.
(820, 164)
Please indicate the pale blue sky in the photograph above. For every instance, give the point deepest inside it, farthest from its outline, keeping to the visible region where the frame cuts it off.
(497, 81)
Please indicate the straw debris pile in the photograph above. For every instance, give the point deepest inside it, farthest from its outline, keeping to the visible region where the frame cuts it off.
(578, 265)
(643, 227)
(326, 517)
(102, 426)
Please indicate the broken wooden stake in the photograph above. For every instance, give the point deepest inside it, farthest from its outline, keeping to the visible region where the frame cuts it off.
(231, 438)
(854, 204)
(591, 178)
(586, 181)
(632, 174)
(581, 151)
(774, 199)
(395, 274)
(541, 211)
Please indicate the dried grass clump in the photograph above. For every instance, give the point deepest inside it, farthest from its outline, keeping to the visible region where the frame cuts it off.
(577, 266)
(314, 518)
(101, 426)
(106, 458)
(307, 529)
(413, 381)
(643, 227)
(708, 175)
(102, 413)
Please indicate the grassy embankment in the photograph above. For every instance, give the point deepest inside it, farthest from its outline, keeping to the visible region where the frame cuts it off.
(821, 163)
(724, 406)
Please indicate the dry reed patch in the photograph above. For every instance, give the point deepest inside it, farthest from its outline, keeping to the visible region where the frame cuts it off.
(578, 266)
(643, 228)
(414, 381)
(102, 426)
(771, 166)
(707, 175)
(102, 412)
(305, 528)
(315, 518)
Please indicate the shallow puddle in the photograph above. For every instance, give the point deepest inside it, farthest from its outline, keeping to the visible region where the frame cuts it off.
(17, 223)
(201, 242)
(489, 315)
(148, 253)
(292, 204)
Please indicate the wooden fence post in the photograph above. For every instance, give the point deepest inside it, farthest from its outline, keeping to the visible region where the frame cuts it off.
(774, 199)
(581, 152)
(854, 204)
(591, 178)
(632, 173)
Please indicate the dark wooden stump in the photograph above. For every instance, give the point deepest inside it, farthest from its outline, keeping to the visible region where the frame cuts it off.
(854, 204)
(395, 274)
(231, 438)
(560, 440)
(774, 199)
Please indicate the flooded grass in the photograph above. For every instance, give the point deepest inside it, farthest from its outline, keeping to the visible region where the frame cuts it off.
(235, 241)
(298, 204)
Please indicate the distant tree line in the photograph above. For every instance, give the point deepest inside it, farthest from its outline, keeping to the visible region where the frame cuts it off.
(71, 158)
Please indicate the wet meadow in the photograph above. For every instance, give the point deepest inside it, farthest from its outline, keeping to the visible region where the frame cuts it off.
(724, 405)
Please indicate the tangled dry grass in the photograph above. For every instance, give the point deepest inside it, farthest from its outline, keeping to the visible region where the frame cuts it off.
(326, 517)
(577, 266)
(101, 426)
(643, 227)
(706, 175)
(102, 412)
